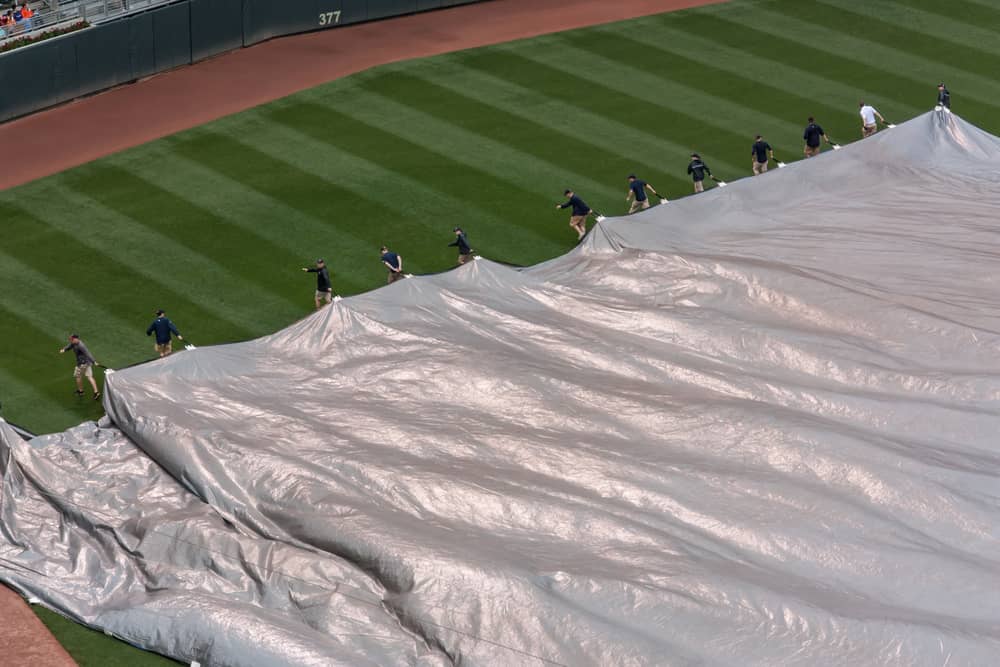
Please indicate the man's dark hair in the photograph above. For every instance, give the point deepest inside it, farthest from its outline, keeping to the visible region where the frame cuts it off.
(159, 312)
(695, 155)
(567, 191)
(811, 119)
(384, 248)
(759, 137)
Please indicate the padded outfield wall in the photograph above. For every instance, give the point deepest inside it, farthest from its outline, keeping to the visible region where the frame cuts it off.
(139, 45)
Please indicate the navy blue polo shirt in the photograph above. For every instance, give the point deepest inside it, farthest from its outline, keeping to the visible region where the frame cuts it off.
(697, 169)
(323, 283)
(580, 207)
(392, 258)
(760, 150)
(812, 135)
(638, 186)
(162, 327)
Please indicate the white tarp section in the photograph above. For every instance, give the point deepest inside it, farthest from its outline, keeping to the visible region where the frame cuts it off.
(757, 426)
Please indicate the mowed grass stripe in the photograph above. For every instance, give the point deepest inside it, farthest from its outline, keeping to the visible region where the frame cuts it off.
(462, 189)
(647, 152)
(23, 396)
(667, 80)
(423, 166)
(983, 13)
(181, 164)
(305, 205)
(912, 74)
(304, 235)
(39, 394)
(990, 4)
(471, 100)
(273, 169)
(187, 224)
(486, 188)
(694, 88)
(429, 118)
(25, 384)
(423, 211)
(529, 134)
(387, 201)
(607, 97)
(353, 257)
(544, 179)
(824, 62)
(960, 15)
(761, 67)
(45, 353)
(155, 256)
(959, 41)
(67, 287)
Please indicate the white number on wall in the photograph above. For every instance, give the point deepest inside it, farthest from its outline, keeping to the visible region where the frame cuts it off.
(329, 18)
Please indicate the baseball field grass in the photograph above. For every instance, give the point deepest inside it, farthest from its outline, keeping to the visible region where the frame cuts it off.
(214, 224)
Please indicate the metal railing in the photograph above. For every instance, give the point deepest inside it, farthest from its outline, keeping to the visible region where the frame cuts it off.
(50, 15)
(44, 20)
(94, 11)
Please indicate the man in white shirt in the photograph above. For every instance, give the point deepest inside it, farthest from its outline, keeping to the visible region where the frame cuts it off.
(868, 115)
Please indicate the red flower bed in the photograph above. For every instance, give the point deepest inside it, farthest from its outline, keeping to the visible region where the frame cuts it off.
(41, 36)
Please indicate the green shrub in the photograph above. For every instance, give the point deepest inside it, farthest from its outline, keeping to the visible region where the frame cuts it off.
(39, 36)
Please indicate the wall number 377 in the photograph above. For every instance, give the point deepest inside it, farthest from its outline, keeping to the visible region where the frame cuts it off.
(329, 18)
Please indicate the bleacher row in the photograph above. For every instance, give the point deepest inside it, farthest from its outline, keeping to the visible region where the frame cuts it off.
(17, 20)
(35, 19)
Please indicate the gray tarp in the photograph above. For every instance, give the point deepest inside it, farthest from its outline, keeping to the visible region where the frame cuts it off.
(756, 426)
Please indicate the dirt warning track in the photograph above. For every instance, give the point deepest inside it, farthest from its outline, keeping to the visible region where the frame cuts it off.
(24, 641)
(66, 136)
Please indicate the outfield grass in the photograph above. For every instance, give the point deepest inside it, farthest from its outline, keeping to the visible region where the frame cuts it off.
(214, 224)
(93, 649)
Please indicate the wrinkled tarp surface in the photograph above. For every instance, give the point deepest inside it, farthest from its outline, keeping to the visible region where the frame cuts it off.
(756, 426)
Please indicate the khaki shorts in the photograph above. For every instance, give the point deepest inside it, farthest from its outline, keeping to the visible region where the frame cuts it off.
(810, 151)
(759, 167)
(84, 371)
(462, 259)
(164, 348)
(869, 130)
(394, 276)
(578, 220)
(699, 186)
(328, 295)
(636, 205)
